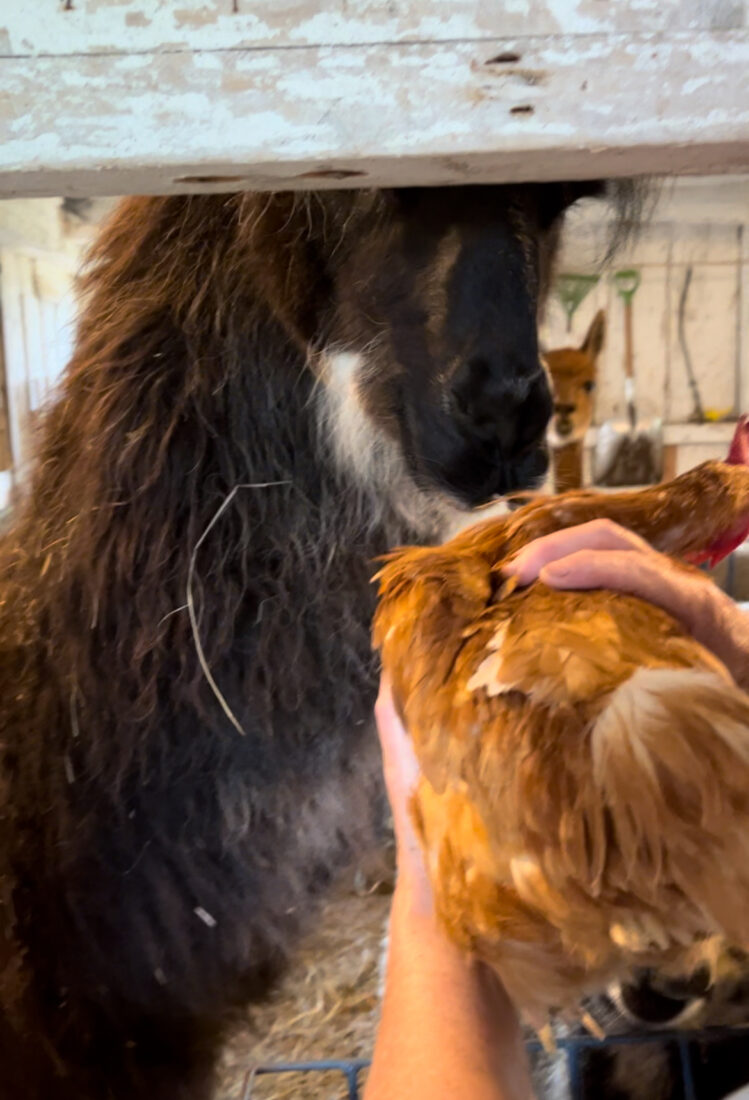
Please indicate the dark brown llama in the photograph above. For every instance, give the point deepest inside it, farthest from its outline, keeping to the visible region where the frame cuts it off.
(355, 368)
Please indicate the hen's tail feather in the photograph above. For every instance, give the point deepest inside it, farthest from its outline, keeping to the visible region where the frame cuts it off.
(670, 757)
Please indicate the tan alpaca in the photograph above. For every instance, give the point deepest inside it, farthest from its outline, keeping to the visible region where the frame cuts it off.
(573, 378)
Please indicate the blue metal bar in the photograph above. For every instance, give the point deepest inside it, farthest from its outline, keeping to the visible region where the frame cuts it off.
(690, 1092)
(571, 1045)
(352, 1078)
(350, 1068)
(638, 1037)
(573, 1071)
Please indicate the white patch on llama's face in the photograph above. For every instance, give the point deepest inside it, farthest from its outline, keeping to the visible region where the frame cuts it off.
(360, 446)
(363, 450)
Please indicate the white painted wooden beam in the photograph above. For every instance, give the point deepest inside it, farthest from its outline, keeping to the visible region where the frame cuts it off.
(72, 27)
(174, 105)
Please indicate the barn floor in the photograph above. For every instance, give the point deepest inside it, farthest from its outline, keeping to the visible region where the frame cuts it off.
(326, 1007)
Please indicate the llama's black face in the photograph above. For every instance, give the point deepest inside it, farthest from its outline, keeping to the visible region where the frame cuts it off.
(434, 334)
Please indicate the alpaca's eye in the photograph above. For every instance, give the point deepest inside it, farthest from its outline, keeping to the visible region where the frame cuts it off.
(589, 386)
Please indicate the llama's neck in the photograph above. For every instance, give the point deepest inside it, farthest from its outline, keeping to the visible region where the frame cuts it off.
(567, 463)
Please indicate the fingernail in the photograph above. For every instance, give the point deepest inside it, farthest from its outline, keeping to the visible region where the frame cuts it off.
(510, 567)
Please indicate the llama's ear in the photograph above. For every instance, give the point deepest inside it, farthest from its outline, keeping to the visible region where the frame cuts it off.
(595, 336)
(293, 275)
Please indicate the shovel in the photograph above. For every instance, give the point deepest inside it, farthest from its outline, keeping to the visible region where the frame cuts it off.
(628, 453)
(572, 290)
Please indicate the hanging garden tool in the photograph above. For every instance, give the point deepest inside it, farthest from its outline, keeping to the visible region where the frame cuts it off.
(572, 290)
(629, 453)
(698, 412)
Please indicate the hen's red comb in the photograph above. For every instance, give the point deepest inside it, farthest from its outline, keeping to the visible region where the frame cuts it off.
(738, 454)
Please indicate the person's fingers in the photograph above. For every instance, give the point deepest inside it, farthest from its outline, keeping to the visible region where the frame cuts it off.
(400, 766)
(599, 534)
(401, 771)
(384, 713)
(397, 749)
(389, 727)
(649, 576)
(709, 615)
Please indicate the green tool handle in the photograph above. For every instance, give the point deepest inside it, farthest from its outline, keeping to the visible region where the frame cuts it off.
(627, 283)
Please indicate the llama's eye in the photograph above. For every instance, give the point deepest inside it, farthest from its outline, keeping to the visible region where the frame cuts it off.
(589, 386)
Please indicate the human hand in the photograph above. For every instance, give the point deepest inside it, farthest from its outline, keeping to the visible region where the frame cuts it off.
(447, 1028)
(401, 770)
(601, 554)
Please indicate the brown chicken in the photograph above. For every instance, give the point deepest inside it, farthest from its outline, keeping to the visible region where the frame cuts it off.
(584, 800)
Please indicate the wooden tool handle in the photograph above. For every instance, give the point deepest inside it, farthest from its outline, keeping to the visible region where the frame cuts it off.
(629, 364)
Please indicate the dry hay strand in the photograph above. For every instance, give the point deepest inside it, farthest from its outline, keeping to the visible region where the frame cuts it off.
(327, 1006)
(190, 596)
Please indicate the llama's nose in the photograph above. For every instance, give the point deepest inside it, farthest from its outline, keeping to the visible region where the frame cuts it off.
(507, 402)
(564, 410)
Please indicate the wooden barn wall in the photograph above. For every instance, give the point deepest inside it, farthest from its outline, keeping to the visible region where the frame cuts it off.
(704, 226)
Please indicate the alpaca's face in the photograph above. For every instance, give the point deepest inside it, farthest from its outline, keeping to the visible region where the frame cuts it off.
(573, 382)
(573, 379)
(433, 336)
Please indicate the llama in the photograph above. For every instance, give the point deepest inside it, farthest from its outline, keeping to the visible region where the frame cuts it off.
(573, 381)
(267, 392)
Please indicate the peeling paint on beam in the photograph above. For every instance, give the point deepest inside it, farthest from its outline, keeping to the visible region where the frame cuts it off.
(130, 26)
(375, 115)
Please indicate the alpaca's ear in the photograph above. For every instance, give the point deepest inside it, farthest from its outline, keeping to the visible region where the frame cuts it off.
(291, 270)
(595, 336)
